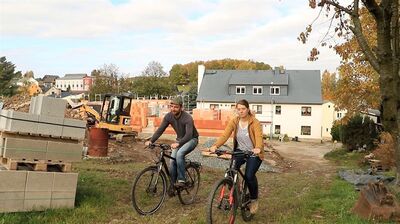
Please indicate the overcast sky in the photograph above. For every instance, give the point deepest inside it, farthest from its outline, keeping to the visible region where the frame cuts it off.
(73, 36)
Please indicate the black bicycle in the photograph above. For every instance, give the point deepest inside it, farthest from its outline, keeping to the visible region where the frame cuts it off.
(230, 193)
(150, 185)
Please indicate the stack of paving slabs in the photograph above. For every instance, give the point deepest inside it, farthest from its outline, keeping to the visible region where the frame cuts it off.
(36, 154)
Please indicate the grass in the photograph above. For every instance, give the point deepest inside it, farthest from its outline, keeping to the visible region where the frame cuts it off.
(103, 196)
(343, 158)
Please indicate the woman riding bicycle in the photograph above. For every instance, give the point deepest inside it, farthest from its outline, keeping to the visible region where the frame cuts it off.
(247, 136)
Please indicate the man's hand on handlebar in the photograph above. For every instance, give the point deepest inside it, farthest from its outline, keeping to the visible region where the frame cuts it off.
(147, 143)
(175, 145)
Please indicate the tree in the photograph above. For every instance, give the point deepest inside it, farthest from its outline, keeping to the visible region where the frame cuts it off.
(187, 74)
(8, 78)
(328, 85)
(29, 74)
(154, 69)
(383, 57)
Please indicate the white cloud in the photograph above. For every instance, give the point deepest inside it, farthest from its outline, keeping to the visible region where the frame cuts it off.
(173, 31)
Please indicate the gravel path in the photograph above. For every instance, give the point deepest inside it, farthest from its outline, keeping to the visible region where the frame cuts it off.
(218, 163)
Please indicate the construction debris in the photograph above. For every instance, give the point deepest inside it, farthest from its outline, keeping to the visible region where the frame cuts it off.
(18, 102)
(361, 178)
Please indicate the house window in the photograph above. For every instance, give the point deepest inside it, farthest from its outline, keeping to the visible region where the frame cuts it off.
(277, 109)
(240, 89)
(81, 85)
(257, 109)
(305, 111)
(275, 90)
(214, 106)
(257, 90)
(233, 106)
(305, 130)
(339, 115)
(277, 129)
(327, 129)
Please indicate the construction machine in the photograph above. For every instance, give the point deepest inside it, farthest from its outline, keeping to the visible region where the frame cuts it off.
(114, 115)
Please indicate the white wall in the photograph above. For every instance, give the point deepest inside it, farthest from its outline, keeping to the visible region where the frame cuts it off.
(75, 84)
(290, 118)
(329, 115)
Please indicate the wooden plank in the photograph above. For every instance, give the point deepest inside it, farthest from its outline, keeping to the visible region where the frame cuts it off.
(36, 165)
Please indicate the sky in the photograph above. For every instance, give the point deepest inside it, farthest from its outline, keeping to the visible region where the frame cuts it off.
(57, 37)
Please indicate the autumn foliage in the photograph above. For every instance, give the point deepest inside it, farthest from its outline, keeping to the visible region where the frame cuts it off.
(385, 150)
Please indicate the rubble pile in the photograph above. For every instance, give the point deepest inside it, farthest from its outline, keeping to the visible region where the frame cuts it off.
(19, 102)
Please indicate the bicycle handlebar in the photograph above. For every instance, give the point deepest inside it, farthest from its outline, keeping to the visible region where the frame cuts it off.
(161, 146)
(234, 153)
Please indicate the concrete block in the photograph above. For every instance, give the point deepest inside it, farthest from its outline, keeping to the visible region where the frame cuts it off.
(19, 148)
(73, 128)
(21, 122)
(62, 199)
(64, 151)
(3, 119)
(50, 125)
(39, 181)
(37, 200)
(12, 190)
(12, 181)
(64, 182)
(12, 201)
(48, 106)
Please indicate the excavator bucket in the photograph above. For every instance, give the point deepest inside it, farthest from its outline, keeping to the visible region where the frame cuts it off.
(377, 203)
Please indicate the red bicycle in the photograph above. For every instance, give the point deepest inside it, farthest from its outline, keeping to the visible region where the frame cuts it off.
(230, 193)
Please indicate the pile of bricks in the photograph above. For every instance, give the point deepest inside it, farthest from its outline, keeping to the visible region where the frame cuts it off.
(208, 122)
(36, 152)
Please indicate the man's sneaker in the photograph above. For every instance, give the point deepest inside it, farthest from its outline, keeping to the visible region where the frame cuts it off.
(171, 191)
(180, 184)
(253, 206)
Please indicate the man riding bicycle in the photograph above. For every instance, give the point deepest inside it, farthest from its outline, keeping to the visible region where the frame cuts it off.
(186, 140)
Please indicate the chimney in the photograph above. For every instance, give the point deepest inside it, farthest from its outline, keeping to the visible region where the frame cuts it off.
(201, 69)
(276, 70)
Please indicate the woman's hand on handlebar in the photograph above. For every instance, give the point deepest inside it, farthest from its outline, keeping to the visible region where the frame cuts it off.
(147, 143)
(256, 151)
(211, 149)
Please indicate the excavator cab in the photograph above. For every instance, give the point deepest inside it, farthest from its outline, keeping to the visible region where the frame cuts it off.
(115, 114)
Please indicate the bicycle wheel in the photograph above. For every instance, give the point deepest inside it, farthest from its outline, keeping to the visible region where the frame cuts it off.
(188, 194)
(245, 203)
(149, 190)
(222, 203)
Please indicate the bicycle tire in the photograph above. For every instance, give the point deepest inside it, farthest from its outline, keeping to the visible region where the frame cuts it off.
(224, 204)
(188, 195)
(245, 203)
(149, 191)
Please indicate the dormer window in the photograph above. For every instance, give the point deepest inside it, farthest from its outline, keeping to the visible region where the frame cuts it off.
(240, 90)
(275, 90)
(257, 90)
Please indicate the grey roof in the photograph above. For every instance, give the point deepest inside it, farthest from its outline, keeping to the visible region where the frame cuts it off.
(304, 86)
(72, 76)
(255, 77)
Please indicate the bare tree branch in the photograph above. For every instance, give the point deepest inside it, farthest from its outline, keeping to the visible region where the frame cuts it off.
(346, 10)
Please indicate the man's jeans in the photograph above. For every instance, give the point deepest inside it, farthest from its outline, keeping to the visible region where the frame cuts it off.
(180, 154)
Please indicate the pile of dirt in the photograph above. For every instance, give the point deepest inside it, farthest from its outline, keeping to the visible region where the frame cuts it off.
(75, 114)
(19, 102)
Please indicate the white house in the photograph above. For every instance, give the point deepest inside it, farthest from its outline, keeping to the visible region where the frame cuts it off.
(329, 115)
(72, 81)
(285, 101)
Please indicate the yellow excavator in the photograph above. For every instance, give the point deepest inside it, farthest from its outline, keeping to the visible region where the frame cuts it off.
(114, 115)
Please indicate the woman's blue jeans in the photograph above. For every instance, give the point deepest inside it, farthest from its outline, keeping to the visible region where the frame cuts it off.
(252, 165)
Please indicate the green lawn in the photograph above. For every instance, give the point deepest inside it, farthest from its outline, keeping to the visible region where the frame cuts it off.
(103, 196)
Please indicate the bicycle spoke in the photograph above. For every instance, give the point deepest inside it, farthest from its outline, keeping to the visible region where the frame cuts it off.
(222, 207)
(148, 191)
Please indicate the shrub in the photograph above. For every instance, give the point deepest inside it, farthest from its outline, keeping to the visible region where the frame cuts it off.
(286, 138)
(385, 150)
(336, 131)
(359, 132)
